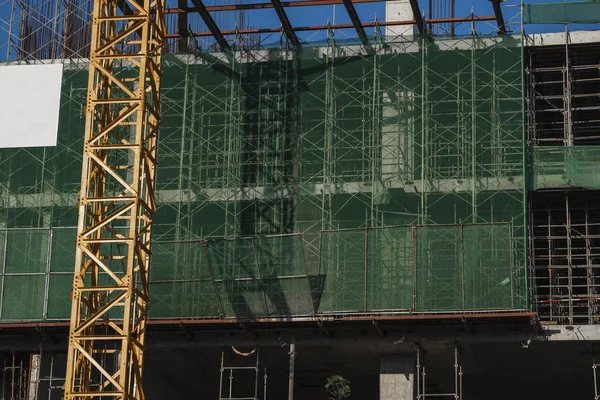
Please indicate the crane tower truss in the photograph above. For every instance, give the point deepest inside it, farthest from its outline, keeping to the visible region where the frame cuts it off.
(110, 290)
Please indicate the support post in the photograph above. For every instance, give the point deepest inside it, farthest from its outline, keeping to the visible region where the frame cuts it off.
(594, 366)
(35, 361)
(292, 367)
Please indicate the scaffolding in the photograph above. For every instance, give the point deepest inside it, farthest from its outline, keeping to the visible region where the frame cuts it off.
(14, 377)
(419, 133)
(563, 85)
(34, 30)
(273, 143)
(422, 386)
(234, 368)
(31, 375)
(565, 246)
(278, 163)
(563, 120)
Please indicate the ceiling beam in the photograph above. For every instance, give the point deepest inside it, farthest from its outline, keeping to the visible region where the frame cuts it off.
(285, 23)
(414, 4)
(358, 26)
(342, 26)
(499, 16)
(258, 6)
(211, 25)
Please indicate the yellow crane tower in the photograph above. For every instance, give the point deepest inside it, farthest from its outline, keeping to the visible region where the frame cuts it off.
(110, 288)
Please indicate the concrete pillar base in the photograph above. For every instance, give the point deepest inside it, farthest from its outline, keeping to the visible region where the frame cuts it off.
(397, 377)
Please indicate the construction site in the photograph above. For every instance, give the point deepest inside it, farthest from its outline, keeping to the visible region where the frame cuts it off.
(241, 199)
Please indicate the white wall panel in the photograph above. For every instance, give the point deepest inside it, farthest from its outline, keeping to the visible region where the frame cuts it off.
(29, 105)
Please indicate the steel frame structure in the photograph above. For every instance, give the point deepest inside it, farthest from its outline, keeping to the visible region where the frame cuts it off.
(110, 292)
(59, 29)
(110, 287)
(228, 373)
(13, 377)
(565, 248)
(226, 165)
(563, 81)
(421, 377)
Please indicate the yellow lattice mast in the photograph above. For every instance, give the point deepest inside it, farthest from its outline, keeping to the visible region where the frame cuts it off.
(110, 289)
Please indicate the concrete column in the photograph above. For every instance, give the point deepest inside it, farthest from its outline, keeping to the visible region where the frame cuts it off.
(397, 377)
(399, 10)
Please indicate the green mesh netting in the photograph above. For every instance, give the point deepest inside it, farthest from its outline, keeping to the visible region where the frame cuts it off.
(566, 166)
(367, 270)
(391, 268)
(26, 251)
(487, 265)
(59, 300)
(23, 297)
(407, 268)
(343, 271)
(261, 276)
(276, 142)
(571, 12)
(418, 268)
(231, 278)
(24, 267)
(439, 268)
(181, 281)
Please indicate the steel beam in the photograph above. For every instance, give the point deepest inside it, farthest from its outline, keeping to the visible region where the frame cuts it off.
(124, 7)
(117, 202)
(285, 23)
(259, 6)
(211, 25)
(414, 4)
(358, 26)
(160, 325)
(342, 26)
(499, 16)
(182, 28)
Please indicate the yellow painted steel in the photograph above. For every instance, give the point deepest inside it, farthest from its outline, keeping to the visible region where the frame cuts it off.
(110, 288)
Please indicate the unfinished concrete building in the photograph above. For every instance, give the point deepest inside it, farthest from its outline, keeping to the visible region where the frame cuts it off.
(410, 202)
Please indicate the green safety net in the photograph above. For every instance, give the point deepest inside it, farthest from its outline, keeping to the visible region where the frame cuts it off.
(566, 166)
(406, 268)
(417, 268)
(263, 276)
(566, 12)
(278, 144)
